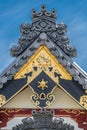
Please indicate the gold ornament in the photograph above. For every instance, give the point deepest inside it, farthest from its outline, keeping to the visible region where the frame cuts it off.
(83, 101)
(42, 84)
(85, 91)
(2, 100)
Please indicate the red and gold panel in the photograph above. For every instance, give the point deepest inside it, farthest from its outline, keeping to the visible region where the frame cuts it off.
(79, 116)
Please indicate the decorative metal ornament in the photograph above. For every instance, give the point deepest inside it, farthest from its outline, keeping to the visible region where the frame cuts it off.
(42, 84)
(2, 100)
(86, 91)
(42, 87)
(83, 101)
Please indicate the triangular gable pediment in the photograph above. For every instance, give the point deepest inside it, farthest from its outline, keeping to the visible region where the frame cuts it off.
(41, 68)
(43, 62)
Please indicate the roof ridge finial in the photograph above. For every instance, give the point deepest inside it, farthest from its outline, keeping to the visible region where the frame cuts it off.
(43, 14)
(43, 7)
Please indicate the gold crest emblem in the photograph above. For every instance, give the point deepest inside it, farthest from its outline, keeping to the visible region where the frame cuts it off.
(83, 101)
(2, 100)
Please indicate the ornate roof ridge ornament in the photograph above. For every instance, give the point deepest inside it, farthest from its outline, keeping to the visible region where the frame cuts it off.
(41, 120)
(44, 14)
(43, 22)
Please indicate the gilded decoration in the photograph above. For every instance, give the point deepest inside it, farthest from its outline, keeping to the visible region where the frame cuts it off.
(42, 60)
(42, 71)
(42, 87)
(75, 112)
(42, 84)
(2, 100)
(10, 111)
(86, 91)
(83, 101)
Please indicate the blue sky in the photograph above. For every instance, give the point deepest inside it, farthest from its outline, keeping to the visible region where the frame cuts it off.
(71, 12)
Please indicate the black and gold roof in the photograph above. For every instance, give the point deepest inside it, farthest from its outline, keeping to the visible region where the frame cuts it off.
(43, 62)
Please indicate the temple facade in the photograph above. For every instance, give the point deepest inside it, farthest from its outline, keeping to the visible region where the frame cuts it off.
(43, 88)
